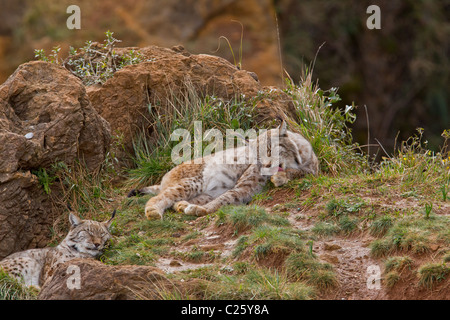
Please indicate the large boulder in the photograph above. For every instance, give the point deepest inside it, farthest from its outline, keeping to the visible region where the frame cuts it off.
(26, 213)
(92, 280)
(45, 117)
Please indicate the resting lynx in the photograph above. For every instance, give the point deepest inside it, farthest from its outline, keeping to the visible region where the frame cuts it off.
(199, 189)
(86, 239)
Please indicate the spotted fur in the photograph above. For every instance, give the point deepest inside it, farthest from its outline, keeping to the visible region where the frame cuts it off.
(202, 188)
(86, 239)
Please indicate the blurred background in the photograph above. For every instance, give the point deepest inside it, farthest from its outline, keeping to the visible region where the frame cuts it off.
(400, 72)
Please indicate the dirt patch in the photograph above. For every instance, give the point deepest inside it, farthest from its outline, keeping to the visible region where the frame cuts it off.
(170, 265)
(219, 240)
(357, 272)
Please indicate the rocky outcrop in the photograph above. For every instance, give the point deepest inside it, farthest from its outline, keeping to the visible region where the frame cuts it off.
(92, 280)
(26, 214)
(45, 117)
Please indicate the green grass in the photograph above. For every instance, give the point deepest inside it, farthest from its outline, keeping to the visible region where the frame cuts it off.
(432, 273)
(242, 218)
(306, 267)
(380, 226)
(413, 234)
(398, 263)
(12, 289)
(326, 127)
(325, 229)
(258, 283)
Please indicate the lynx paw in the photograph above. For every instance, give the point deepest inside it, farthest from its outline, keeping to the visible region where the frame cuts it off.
(153, 213)
(180, 206)
(195, 210)
(279, 178)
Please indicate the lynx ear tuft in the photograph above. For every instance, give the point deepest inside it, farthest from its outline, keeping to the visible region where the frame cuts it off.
(283, 129)
(109, 222)
(74, 220)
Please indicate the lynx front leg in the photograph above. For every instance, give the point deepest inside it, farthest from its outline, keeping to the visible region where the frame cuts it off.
(250, 183)
(279, 179)
(198, 201)
(156, 206)
(283, 177)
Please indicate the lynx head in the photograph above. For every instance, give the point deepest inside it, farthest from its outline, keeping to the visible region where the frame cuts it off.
(282, 151)
(88, 236)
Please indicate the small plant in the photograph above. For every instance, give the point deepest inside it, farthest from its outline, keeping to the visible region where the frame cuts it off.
(380, 226)
(445, 188)
(44, 179)
(40, 55)
(428, 209)
(325, 126)
(237, 63)
(347, 224)
(12, 289)
(380, 248)
(342, 206)
(95, 62)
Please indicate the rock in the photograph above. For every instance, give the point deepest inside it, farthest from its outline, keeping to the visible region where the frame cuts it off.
(175, 263)
(434, 247)
(331, 247)
(26, 214)
(104, 282)
(45, 117)
(330, 258)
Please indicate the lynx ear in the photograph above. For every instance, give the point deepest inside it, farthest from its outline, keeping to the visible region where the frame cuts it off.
(109, 222)
(283, 129)
(74, 220)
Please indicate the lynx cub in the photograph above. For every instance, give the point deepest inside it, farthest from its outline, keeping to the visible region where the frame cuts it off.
(86, 239)
(199, 189)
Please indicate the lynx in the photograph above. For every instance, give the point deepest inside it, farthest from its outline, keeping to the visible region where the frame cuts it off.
(200, 189)
(86, 239)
